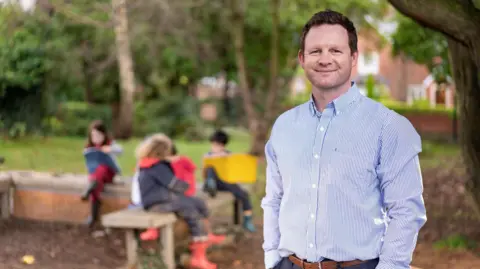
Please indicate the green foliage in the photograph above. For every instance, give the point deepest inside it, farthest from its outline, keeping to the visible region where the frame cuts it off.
(456, 242)
(73, 118)
(174, 115)
(422, 45)
(419, 107)
(25, 63)
(370, 85)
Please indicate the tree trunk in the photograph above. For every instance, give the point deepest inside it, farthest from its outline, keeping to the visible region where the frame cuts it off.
(466, 73)
(258, 126)
(460, 21)
(402, 82)
(238, 27)
(124, 126)
(273, 85)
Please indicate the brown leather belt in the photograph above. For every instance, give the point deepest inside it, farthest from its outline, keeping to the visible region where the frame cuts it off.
(322, 265)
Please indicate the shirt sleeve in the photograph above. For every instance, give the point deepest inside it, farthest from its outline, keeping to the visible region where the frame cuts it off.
(271, 207)
(401, 185)
(116, 149)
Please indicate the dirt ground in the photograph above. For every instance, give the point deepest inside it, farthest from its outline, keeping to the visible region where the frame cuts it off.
(60, 246)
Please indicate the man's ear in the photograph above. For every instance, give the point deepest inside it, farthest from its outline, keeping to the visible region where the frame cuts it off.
(301, 57)
(354, 59)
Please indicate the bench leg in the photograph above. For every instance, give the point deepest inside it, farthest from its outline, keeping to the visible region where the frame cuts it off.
(168, 248)
(5, 204)
(237, 212)
(132, 246)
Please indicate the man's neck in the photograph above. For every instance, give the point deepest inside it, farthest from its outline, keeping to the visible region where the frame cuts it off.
(323, 97)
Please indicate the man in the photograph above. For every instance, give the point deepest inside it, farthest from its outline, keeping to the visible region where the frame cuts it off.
(340, 168)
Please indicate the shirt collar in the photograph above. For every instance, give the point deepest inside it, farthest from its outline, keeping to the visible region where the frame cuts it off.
(340, 103)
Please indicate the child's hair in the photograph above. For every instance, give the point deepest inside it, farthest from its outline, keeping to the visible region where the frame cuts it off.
(174, 150)
(156, 146)
(220, 137)
(101, 127)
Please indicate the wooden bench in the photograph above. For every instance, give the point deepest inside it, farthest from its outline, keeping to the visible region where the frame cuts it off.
(134, 219)
(5, 186)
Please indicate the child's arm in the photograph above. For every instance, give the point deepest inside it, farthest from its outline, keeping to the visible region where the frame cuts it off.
(116, 149)
(165, 177)
(189, 165)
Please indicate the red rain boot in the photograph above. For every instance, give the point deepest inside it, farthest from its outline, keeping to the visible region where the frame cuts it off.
(214, 239)
(150, 234)
(199, 259)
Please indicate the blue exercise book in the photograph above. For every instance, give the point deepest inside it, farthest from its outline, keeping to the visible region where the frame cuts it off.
(95, 157)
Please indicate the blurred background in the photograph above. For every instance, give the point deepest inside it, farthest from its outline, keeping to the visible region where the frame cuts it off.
(187, 67)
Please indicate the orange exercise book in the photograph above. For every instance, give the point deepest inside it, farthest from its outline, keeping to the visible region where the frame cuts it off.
(238, 168)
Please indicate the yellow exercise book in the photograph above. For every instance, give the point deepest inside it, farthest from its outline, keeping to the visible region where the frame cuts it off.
(234, 168)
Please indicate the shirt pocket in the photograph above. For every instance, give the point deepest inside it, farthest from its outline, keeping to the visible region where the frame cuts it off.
(350, 172)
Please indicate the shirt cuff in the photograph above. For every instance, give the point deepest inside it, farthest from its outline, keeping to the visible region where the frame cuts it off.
(272, 258)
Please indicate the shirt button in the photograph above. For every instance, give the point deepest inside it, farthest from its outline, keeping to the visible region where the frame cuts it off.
(312, 216)
(314, 186)
(311, 245)
(338, 112)
(316, 156)
(322, 129)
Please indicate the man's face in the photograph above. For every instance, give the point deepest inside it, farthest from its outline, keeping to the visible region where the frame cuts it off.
(327, 58)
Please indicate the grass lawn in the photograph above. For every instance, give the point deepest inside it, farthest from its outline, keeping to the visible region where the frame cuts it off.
(64, 154)
(433, 153)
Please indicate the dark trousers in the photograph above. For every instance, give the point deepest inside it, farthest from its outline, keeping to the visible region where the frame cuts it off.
(191, 209)
(285, 263)
(239, 193)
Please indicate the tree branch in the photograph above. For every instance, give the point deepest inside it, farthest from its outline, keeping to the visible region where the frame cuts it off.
(457, 19)
(238, 13)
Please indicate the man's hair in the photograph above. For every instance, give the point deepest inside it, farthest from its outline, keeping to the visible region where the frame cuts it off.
(156, 146)
(220, 137)
(331, 17)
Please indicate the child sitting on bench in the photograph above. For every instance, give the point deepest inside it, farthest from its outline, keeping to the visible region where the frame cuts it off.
(99, 153)
(162, 192)
(218, 141)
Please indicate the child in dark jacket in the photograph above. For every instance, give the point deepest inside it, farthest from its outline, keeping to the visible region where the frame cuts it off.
(162, 192)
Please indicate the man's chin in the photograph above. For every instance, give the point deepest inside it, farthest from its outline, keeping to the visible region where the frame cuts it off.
(325, 86)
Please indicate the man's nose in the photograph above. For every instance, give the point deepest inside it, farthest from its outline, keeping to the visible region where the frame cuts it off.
(324, 59)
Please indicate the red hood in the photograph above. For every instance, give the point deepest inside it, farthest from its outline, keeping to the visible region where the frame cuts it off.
(148, 162)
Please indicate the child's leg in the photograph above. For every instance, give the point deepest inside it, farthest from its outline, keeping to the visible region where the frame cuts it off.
(97, 181)
(239, 194)
(205, 214)
(243, 196)
(186, 208)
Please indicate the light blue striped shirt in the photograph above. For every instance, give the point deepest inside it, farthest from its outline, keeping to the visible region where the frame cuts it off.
(337, 179)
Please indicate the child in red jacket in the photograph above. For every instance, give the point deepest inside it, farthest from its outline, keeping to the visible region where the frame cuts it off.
(184, 169)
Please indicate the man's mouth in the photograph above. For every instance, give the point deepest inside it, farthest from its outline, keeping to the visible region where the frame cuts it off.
(324, 71)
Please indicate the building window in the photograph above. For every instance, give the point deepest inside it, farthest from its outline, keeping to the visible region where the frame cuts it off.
(368, 63)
